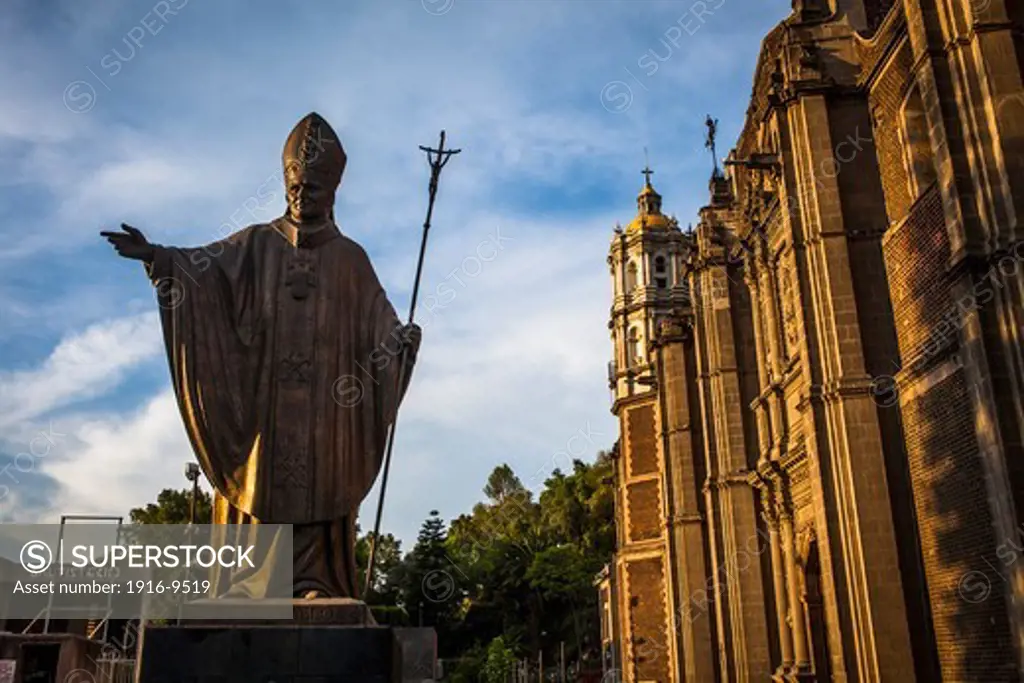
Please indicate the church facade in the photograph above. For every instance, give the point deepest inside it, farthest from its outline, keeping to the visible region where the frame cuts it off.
(820, 386)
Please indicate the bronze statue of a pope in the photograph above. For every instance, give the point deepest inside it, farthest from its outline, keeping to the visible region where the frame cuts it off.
(285, 356)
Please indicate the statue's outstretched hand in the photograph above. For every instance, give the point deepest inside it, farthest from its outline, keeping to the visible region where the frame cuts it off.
(131, 243)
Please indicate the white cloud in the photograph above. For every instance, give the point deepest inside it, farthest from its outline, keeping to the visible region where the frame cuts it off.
(126, 185)
(109, 464)
(81, 366)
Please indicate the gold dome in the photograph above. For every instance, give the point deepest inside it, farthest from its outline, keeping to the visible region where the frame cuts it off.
(652, 222)
(648, 206)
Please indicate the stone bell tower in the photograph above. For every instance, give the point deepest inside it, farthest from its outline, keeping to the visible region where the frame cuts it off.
(646, 262)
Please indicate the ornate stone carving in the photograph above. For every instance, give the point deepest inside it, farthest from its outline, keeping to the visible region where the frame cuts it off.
(674, 326)
(806, 537)
(790, 324)
(769, 508)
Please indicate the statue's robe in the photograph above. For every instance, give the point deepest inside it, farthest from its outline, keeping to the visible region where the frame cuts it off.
(284, 354)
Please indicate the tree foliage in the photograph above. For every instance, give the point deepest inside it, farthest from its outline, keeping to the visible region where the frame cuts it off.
(528, 565)
(173, 507)
(386, 588)
(500, 659)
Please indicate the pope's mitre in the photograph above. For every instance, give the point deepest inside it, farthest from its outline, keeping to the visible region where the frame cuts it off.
(316, 148)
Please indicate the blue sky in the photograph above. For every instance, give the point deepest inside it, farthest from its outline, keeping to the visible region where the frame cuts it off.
(171, 115)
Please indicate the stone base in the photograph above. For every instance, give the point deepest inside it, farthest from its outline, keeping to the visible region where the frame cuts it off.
(793, 675)
(257, 653)
(229, 611)
(419, 653)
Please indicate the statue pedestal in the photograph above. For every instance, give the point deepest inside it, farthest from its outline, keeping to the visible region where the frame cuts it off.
(232, 611)
(308, 649)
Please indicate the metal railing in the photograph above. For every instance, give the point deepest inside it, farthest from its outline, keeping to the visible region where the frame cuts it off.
(115, 671)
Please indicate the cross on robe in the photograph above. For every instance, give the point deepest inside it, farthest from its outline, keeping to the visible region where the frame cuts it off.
(295, 368)
(301, 278)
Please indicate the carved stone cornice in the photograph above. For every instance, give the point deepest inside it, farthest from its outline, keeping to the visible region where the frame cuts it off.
(773, 389)
(684, 428)
(793, 458)
(813, 393)
(675, 327)
(679, 520)
(625, 401)
(735, 478)
(836, 390)
(770, 474)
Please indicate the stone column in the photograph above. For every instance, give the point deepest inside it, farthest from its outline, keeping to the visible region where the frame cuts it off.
(778, 580)
(771, 312)
(773, 342)
(801, 656)
(761, 410)
(694, 634)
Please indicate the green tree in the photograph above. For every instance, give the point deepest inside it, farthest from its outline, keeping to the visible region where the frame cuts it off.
(430, 592)
(529, 566)
(500, 659)
(564, 577)
(501, 483)
(468, 667)
(172, 507)
(492, 548)
(386, 588)
(579, 508)
(578, 526)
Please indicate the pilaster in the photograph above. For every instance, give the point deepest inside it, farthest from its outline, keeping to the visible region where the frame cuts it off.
(851, 429)
(685, 523)
(737, 564)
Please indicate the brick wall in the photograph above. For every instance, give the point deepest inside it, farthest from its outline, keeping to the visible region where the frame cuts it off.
(640, 444)
(648, 619)
(644, 510)
(916, 257)
(885, 100)
(870, 52)
(957, 537)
